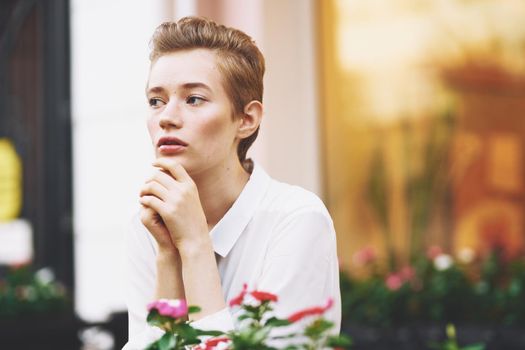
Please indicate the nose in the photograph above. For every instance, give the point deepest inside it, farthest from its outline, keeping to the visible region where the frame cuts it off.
(171, 116)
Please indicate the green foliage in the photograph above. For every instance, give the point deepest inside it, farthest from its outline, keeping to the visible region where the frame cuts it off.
(178, 332)
(255, 330)
(451, 342)
(23, 292)
(489, 291)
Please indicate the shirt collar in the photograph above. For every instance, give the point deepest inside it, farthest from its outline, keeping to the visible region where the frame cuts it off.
(230, 227)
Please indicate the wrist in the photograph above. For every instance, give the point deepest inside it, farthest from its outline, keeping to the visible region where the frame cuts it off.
(191, 249)
(168, 255)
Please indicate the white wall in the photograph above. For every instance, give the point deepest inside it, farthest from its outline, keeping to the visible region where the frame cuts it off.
(111, 146)
(291, 125)
(112, 152)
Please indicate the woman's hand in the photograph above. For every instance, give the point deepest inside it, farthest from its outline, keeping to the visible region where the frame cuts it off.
(173, 196)
(155, 225)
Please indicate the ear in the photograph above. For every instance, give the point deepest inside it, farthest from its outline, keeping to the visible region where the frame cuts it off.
(250, 120)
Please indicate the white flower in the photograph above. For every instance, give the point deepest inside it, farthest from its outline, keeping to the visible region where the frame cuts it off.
(466, 255)
(45, 275)
(443, 261)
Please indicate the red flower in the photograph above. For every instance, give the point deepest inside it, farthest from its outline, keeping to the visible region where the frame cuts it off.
(263, 296)
(239, 298)
(394, 282)
(215, 341)
(312, 311)
(212, 343)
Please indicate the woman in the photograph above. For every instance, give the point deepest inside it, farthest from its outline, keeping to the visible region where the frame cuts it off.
(212, 220)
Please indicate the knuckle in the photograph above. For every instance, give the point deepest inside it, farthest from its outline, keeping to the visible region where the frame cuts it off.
(146, 200)
(146, 187)
(172, 209)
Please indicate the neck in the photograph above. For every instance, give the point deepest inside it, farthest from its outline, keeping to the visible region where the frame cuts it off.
(219, 188)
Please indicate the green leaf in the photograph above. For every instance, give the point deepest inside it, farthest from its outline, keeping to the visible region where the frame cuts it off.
(153, 346)
(474, 347)
(260, 335)
(152, 315)
(193, 309)
(244, 317)
(341, 341)
(194, 341)
(277, 322)
(167, 342)
(209, 333)
(186, 332)
(318, 327)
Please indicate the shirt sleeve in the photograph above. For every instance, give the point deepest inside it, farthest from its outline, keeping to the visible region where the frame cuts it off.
(301, 266)
(218, 321)
(141, 277)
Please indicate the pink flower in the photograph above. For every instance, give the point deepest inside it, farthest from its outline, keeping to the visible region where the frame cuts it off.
(239, 298)
(174, 308)
(364, 256)
(312, 311)
(263, 296)
(394, 281)
(407, 273)
(434, 251)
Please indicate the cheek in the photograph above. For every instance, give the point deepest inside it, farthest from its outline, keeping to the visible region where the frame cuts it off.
(153, 128)
(218, 132)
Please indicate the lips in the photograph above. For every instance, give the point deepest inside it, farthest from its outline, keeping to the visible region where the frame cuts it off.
(171, 145)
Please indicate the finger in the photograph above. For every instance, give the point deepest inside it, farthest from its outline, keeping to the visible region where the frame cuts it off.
(151, 215)
(163, 178)
(147, 214)
(153, 188)
(154, 203)
(174, 168)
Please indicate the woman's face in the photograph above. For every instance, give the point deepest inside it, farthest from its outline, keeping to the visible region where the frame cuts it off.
(190, 113)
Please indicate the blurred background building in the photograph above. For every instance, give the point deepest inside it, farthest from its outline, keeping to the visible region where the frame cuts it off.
(405, 116)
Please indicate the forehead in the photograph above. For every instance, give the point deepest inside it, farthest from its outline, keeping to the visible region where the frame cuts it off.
(187, 66)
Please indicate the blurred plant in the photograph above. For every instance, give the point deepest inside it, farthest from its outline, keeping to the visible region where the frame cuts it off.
(426, 180)
(23, 291)
(255, 326)
(451, 342)
(439, 288)
(427, 184)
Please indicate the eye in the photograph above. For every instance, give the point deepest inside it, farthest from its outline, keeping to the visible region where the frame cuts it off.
(155, 102)
(195, 100)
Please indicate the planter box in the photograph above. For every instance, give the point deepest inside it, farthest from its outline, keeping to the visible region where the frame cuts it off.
(56, 331)
(42, 332)
(419, 337)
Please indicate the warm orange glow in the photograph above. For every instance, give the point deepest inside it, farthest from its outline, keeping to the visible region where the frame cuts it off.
(422, 110)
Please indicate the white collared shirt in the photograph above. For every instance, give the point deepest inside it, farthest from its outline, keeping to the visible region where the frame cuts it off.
(276, 238)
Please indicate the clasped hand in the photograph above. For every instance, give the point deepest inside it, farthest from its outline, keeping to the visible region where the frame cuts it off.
(171, 208)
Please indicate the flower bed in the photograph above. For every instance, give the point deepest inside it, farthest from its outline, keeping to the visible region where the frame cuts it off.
(407, 308)
(256, 324)
(24, 292)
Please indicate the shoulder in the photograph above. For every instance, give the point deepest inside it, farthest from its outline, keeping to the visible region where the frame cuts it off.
(301, 224)
(291, 201)
(296, 215)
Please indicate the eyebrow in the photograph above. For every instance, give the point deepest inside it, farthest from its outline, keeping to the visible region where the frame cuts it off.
(185, 86)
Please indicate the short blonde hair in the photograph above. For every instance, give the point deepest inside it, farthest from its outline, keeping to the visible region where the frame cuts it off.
(239, 60)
